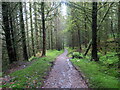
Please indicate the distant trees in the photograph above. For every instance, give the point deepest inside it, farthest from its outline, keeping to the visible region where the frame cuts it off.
(79, 25)
(29, 28)
(26, 28)
(97, 25)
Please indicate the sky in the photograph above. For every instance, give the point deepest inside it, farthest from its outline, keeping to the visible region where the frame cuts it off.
(63, 9)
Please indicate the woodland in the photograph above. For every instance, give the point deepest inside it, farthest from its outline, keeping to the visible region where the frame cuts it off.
(34, 34)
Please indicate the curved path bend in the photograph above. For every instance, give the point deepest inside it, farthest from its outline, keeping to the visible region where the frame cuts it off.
(64, 75)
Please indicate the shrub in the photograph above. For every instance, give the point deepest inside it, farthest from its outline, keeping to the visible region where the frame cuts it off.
(77, 55)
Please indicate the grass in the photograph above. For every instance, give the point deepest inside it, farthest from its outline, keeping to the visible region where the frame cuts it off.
(33, 75)
(110, 58)
(98, 75)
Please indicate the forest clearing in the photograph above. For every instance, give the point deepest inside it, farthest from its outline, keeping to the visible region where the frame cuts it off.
(60, 44)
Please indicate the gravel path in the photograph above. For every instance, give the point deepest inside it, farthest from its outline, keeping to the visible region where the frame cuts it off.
(64, 75)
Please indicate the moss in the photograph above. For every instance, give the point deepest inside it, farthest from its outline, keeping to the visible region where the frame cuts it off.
(98, 75)
(33, 76)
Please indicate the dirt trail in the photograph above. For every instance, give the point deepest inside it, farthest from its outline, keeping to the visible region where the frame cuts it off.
(64, 75)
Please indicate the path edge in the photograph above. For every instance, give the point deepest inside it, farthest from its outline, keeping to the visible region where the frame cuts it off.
(81, 74)
(49, 70)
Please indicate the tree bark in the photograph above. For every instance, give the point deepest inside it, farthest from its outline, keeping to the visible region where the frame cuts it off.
(32, 37)
(25, 55)
(89, 45)
(10, 50)
(44, 31)
(12, 33)
(79, 39)
(27, 32)
(36, 27)
(51, 38)
(94, 32)
(118, 35)
(85, 26)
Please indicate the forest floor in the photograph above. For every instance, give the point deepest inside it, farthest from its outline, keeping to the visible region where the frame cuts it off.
(64, 75)
(33, 74)
(18, 66)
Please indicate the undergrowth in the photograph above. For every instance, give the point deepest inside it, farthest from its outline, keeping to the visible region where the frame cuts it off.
(33, 75)
(102, 74)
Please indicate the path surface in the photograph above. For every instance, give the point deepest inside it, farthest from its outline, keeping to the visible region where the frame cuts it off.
(64, 75)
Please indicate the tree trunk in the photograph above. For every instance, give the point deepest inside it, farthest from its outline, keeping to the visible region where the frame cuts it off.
(36, 27)
(40, 36)
(86, 33)
(31, 24)
(89, 45)
(27, 32)
(79, 39)
(94, 32)
(12, 34)
(118, 34)
(51, 38)
(10, 50)
(48, 45)
(85, 26)
(44, 31)
(25, 55)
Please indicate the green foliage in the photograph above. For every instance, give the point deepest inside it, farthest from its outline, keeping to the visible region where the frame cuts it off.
(33, 76)
(77, 55)
(109, 59)
(99, 76)
(70, 50)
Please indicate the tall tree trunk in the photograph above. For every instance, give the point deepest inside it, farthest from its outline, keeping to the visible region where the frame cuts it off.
(118, 35)
(1, 41)
(31, 24)
(86, 33)
(10, 50)
(16, 32)
(36, 27)
(49, 41)
(106, 28)
(40, 36)
(94, 32)
(85, 26)
(25, 55)
(44, 31)
(99, 34)
(27, 32)
(51, 38)
(12, 34)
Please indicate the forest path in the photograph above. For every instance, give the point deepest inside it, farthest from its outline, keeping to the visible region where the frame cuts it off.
(64, 75)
